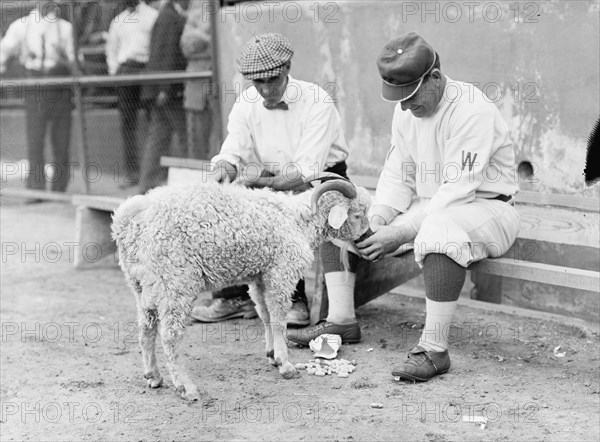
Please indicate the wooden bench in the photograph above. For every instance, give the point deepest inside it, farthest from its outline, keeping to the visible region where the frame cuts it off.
(93, 218)
(558, 247)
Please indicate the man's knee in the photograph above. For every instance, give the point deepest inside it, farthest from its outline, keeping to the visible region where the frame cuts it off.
(441, 235)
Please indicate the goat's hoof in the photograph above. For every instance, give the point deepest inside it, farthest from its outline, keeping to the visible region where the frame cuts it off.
(153, 381)
(288, 371)
(189, 394)
(271, 358)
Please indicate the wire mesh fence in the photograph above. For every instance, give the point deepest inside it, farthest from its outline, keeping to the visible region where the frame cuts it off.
(91, 128)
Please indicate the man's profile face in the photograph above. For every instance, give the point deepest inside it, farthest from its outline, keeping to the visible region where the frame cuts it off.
(425, 101)
(272, 88)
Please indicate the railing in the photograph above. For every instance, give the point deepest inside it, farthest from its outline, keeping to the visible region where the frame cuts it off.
(95, 133)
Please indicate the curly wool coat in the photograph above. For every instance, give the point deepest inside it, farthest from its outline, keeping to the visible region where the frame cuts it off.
(174, 242)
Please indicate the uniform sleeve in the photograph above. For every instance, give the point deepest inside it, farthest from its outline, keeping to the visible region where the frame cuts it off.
(10, 45)
(467, 151)
(322, 128)
(238, 147)
(396, 185)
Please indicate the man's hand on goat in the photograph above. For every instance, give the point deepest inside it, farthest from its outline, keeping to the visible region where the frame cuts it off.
(386, 239)
(223, 172)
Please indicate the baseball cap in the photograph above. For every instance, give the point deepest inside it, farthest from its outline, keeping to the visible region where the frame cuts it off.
(403, 63)
(264, 56)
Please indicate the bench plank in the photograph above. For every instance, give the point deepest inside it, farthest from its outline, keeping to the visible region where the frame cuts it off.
(538, 272)
(107, 203)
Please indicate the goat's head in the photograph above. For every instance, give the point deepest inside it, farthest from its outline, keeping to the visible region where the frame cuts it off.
(341, 209)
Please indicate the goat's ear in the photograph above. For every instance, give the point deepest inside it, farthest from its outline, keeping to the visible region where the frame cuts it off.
(337, 216)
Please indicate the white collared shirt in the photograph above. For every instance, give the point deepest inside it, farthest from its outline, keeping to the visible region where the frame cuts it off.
(129, 37)
(308, 135)
(461, 152)
(41, 43)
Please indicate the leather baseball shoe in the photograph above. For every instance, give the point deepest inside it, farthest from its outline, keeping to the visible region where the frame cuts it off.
(421, 365)
(223, 309)
(350, 333)
(298, 315)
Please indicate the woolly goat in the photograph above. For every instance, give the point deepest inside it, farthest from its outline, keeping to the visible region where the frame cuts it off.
(174, 242)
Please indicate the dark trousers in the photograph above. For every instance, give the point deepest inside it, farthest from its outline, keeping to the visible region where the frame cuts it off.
(165, 121)
(241, 291)
(200, 126)
(300, 292)
(129, 103)
(45, 108)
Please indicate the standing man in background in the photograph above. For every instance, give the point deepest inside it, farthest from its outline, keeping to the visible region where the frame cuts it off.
(199, 98)
(166, 100)
(43, 42)
(128, 52)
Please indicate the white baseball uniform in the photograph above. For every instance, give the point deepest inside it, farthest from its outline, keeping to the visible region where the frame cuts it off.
(443, 173)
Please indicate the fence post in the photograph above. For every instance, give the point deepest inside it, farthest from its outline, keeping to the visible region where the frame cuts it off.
(216, 70)
(79, 108)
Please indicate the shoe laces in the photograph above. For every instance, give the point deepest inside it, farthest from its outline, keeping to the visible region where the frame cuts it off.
(234, 302)
(321, 326)
(416, 359)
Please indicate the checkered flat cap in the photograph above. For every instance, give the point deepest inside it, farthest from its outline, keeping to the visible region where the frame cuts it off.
(264, 56)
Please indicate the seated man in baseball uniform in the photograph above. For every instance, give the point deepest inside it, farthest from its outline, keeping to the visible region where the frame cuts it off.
(447, 188)
(280, 131)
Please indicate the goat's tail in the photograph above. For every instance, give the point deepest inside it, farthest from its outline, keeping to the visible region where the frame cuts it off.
(126, 212)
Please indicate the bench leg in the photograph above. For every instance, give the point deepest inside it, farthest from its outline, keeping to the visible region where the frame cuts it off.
(93, 238)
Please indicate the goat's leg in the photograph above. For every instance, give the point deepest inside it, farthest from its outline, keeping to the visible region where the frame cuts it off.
(278, 300)
(172, 326)
(256, 292)
(148, 325)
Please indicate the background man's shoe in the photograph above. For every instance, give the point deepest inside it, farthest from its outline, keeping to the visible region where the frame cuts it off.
(421, 365)
(222, 309)
(298, 314)
(350, 333)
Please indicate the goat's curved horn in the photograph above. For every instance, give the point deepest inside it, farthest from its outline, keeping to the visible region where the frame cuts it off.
(343, 186)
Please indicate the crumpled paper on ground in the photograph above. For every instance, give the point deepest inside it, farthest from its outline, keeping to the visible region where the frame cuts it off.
(326, 346)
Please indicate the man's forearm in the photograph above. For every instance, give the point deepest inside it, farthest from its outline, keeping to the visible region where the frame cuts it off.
(282, 183)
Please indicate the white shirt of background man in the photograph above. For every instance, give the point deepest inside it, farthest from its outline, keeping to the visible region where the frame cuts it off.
(38, 40)
(129, 37)
(309, 134)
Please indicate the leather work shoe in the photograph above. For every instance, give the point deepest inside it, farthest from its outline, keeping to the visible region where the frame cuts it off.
(350, 333)
(222, 309)
(421, 365)
(298, 314)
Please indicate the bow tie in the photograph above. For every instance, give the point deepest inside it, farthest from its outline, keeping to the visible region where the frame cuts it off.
(281, 105)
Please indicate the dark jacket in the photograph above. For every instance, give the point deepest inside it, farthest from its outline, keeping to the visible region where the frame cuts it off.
(165, 52)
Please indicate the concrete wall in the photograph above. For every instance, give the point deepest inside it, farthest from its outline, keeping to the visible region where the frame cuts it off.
(538, 60)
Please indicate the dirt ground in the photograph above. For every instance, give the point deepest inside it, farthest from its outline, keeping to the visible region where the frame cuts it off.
(71, 368)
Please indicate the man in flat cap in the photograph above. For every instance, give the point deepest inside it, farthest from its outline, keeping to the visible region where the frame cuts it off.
(280, 131)
(447, 187)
